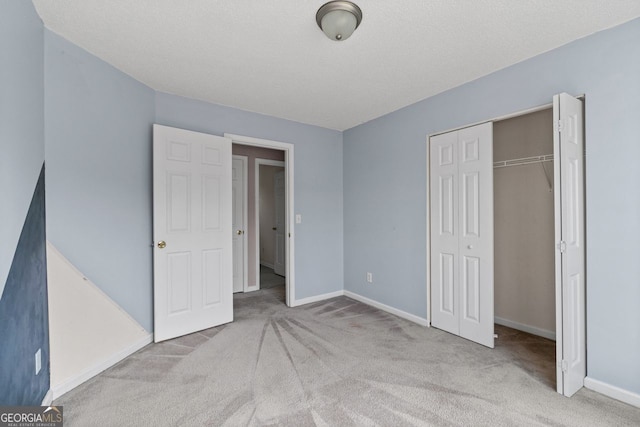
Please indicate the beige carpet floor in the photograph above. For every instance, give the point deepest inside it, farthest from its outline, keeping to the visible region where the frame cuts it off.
(335, 363)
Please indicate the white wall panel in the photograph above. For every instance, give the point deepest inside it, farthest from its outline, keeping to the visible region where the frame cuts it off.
(87, 328)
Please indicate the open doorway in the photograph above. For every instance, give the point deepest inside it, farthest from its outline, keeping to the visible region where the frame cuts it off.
(269, 203)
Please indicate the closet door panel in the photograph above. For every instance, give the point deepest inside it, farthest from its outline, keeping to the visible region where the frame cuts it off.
(476, 237)
(444, 233)
(471, 289)
(570, 262)
(446, 197)
(470, 207)
(446, 288)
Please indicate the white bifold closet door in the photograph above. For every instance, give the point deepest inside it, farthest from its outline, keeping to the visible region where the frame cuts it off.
(569, 225)
(461, 222)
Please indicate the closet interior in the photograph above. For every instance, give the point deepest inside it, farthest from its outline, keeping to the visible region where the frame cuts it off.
(524, 263)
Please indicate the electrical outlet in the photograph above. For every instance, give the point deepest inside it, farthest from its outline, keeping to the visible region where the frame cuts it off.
(38, 361)
(369, 277)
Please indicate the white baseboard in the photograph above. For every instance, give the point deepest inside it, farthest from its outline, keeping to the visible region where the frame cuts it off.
(317, 298)
(613, 392)
(70, 384)
(407, 316)
(48, 398)
(266, 264)
(526, 328)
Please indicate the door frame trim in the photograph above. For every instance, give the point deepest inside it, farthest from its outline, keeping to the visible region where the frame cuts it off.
(288, 149)
(258, 163)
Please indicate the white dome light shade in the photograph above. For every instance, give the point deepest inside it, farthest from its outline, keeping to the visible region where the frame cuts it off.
(339, 19)
(338, 24)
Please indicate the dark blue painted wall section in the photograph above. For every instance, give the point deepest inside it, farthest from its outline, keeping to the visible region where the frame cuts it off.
(24, 319)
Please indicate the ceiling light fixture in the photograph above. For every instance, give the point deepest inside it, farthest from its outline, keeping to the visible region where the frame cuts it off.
(339, 19)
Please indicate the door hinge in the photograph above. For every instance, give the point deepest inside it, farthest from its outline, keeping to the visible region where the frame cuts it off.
(557, 126)
(562, 246)
(564, 366)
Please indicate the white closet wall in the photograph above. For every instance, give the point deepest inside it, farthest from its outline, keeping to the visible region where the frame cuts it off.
(524, 225)
(88, 331)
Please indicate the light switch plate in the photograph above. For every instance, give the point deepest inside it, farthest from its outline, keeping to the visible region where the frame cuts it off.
(298, 219)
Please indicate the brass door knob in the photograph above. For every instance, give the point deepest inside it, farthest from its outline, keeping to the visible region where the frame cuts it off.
(162, 244)
(239, 232)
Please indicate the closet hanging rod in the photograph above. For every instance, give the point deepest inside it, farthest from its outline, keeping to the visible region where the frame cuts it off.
(523, 161)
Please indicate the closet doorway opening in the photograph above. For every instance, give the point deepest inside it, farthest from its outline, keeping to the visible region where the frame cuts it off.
(524, 234)
(273, 162)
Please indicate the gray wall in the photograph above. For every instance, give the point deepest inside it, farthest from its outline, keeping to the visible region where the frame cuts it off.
(21, 120)
(24, 326)
(318, 181)
(385, 186)
(98, 154)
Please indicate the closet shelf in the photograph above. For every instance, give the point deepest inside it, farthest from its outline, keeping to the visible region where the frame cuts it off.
(523, 161)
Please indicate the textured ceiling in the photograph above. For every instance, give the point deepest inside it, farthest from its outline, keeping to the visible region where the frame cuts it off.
(270, 57)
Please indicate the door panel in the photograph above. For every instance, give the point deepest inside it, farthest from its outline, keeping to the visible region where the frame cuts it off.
(192, 220)
(210, 207)
(471, 289)
(571, 202)
(179, 202)
(569, 211)
(447, 195)
(446, 289)
(470, 207)
(212, 277)
(179, 282)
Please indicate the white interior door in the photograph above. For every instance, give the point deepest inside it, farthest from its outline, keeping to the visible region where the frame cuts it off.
(279, 200)
(461, 195)
(239, 220)
(191, 231)
(570, 264)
